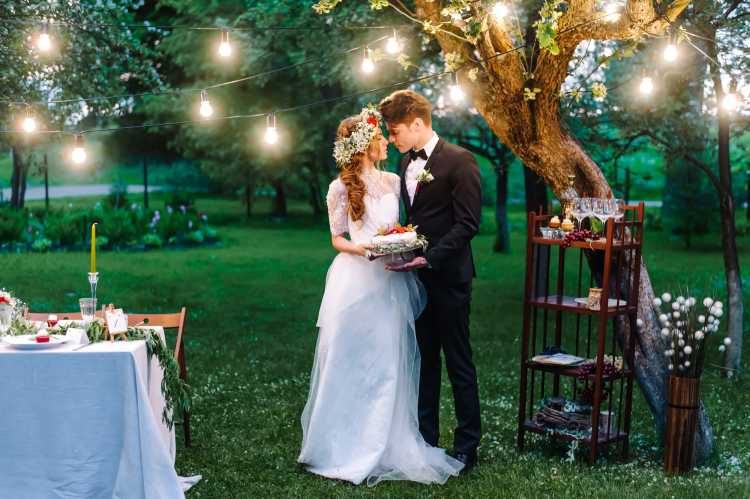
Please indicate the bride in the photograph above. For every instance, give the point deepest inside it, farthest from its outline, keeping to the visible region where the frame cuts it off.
(360, 421)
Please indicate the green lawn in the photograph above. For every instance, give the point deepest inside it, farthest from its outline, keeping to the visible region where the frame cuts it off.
(252, 307)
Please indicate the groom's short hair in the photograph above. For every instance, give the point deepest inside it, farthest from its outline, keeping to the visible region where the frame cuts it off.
(403, 106)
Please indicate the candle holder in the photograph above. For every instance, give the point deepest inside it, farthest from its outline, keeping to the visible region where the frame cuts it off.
(93, 281)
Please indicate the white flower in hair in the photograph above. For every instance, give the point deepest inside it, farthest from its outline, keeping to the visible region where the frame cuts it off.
(364, 132)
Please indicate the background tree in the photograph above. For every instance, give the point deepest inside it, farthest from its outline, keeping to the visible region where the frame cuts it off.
(79, 42)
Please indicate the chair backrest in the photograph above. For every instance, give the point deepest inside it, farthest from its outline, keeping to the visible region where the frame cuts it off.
(167, 321)
(62, 316)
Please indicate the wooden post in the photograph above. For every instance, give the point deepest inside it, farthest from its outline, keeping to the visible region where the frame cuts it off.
(682, 419)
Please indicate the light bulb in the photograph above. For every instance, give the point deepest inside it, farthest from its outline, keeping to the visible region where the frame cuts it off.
(393, 46)
(646, 86)
(729, 102)
(206, 109)
(499, 11)
(456, 94)
(367, 65)
(28, 124)
(612, 10)
(44, 42)
(670, 52)
(272, 135)
(78, 154)
(225, 48)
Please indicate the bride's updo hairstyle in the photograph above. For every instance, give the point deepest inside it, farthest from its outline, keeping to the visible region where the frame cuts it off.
(351, 169)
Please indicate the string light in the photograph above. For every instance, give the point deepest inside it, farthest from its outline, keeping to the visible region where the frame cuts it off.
(647, 85)
(225, 48)
(272, 135)
(44, 41)
(670, 52)
(206, 109)
(612, 11)
(729, 102)
(455, 90)
(499, 11)
(28, 123)
(368, 66)
(393, 45)
(78, 154)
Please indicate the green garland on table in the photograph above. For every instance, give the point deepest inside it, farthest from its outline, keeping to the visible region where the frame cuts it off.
(176, 392)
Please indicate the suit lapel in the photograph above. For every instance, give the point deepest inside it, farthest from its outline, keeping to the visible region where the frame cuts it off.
(404, 192)
(428, 167)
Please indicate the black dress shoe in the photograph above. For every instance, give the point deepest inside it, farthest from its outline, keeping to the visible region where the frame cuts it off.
(469, 460)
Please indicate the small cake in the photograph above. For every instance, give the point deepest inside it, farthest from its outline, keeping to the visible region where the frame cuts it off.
(566, 225)
(42, 336)
(397, 237)
(554, 222)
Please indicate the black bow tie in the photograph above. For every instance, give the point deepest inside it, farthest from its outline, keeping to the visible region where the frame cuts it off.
(417, 154)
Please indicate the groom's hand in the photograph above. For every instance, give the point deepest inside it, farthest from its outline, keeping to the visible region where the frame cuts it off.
(418, 263)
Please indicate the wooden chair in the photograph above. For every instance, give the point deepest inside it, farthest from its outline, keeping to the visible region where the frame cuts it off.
(167, 321)
(170, 321)
(63, 316)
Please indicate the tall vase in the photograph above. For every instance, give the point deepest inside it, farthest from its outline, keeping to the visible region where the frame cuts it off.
(683, 399)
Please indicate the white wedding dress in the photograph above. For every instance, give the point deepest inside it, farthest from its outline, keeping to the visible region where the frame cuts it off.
(360, 421)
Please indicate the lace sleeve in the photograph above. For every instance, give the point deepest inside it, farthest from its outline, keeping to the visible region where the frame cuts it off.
(338, 216)
(394, 184)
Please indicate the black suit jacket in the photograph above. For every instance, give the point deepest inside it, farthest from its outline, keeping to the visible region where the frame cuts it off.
(447, 211)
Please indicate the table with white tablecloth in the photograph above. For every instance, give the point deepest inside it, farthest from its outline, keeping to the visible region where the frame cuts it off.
(84, 424)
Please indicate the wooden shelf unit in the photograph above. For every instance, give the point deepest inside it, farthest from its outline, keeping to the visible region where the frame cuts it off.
(552, 318)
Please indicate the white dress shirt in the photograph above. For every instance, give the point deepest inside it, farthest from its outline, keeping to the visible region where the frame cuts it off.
(416, 166)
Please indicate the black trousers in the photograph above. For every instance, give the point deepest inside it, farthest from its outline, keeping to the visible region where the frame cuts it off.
(444, 325)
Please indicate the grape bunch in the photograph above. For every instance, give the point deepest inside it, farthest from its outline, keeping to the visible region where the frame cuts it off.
(589, 368)
(576, 235)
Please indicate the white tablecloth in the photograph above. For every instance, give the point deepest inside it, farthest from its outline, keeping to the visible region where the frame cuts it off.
(84, 424)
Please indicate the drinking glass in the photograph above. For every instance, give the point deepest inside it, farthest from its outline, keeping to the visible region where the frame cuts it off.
(618, 208)
(88, 308)
(6, 317)
(579, 210)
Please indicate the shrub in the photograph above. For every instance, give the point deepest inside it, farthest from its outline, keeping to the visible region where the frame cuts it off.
(195, 237)
(152, 241)
(41, 245)
(118, 227)
(12, 224)
(66, 228)
(118, 196)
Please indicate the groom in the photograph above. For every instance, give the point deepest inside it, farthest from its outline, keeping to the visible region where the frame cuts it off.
(441, 191)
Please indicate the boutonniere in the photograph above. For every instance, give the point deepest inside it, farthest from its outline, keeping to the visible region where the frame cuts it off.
(425, 177)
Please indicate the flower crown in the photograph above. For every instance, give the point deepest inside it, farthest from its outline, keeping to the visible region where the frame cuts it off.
(344, 148)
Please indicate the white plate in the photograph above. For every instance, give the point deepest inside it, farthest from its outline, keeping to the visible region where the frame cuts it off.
(28, 342)
(612, 303)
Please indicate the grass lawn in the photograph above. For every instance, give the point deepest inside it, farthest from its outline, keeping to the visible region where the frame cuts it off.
(250, 337)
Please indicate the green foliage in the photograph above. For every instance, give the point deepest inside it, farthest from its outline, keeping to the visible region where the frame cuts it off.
(152, 241)
(66, 228)
(12, 224)
(41, 245)
(546, 26)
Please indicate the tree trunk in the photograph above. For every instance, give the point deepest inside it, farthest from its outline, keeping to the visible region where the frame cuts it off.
(502, 238)
(534, 131)
(18, 179)
(46, 184)
(145, 183)
(248, 201)
(536, 192)
(279, 208)
(733, 357)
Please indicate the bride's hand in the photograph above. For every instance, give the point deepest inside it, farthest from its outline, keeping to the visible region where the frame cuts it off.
(365, 251)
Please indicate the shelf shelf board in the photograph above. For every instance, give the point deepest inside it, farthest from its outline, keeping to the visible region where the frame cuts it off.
(572, 371)
(568, 303)
(599, 244)
(603, 438)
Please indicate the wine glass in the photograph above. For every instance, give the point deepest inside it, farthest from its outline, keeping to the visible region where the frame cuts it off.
(578, 210)
(602, 211)
(617, 208)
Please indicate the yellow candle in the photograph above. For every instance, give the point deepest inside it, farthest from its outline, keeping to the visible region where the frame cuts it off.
(93, 247)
